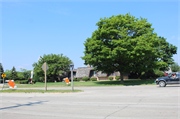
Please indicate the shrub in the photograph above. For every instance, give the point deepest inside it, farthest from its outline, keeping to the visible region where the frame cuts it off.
(159, 73)
(93, 79)
(38, 78)
(110, 78)
(117, 77)
(21, 81)
(78, 79)
(152, 74)
(85, 78)
(74, 79)
(24, 82)
(34, 82)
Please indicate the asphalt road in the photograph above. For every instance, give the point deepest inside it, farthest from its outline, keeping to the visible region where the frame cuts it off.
(117, 102)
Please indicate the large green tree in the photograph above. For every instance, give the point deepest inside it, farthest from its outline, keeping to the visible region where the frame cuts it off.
(175, 67)
(13, 75)
(1, 70)
(58, 64)
(26, 73)
(125, 43)
(7, 72)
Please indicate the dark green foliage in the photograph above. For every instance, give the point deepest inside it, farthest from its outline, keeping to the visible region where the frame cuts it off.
(110, 78)
(21, 82)
(58, 64)
(159, 73)
(175, 67)
(37, 78)
(74, 79)
(7, 72)
(13, 75)
(78, 79)
(20, 76)
(26, 73)
(1, 71)
(152, 74)
(85, 78)
(117, 77)
(93, 79)
(124, 43)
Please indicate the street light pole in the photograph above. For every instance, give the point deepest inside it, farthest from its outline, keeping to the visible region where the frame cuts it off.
(71, 68)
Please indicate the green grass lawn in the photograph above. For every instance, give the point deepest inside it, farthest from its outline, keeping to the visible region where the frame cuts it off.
(37, 91)
(128, 82)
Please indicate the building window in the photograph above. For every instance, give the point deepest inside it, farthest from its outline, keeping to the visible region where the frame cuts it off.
(94, 73)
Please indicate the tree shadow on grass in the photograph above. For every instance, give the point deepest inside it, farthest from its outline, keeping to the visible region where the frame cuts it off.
(127, 82)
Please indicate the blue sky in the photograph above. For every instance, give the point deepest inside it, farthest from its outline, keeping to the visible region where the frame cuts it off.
(29, 29)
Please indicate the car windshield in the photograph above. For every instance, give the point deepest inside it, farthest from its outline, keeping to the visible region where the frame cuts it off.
(170, 74)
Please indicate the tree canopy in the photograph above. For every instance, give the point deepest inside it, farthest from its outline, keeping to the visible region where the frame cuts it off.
(175, 67)
(13, 75)
(1, 70)
(25, 74)
(125, 43)
(58, 64)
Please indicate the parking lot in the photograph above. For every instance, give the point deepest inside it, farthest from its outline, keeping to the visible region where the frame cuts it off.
(117, 102)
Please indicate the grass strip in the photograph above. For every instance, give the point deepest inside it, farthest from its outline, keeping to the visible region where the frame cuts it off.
(127, 82)
(38, 91)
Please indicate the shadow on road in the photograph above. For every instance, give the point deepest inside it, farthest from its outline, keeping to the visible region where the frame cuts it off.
(20, 105)
(173, 86)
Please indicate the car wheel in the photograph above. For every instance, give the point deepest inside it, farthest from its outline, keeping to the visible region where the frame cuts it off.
(162, 84)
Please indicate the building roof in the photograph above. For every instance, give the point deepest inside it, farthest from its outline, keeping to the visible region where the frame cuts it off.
(83, 72)
(100, 74)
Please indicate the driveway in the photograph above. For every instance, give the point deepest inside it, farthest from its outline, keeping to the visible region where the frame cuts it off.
(117, 102)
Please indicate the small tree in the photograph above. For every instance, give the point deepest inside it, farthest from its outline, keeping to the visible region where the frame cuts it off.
(58, 64)
(13, 75)
(175, 67)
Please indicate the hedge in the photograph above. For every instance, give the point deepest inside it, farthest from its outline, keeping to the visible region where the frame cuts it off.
(117, 77)
(78, 79)
(110, 78)
(85, 78)
(21, 82)
(74, 79)
(93, 79)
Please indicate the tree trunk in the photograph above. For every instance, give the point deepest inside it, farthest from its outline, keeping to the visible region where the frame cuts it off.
(121, 74)
(139, 75)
